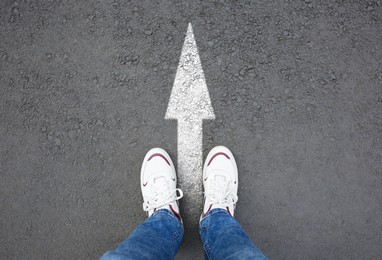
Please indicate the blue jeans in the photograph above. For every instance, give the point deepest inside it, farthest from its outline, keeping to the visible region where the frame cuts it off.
(160, 235)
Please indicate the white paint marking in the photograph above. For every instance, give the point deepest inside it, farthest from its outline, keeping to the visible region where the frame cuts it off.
(190, 103)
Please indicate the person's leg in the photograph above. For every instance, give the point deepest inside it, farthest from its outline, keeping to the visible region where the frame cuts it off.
(221, 234)
(160, 235)
(223, 237)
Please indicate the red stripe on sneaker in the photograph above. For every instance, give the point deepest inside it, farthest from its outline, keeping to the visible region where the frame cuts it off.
(204, 214)
(161, 155)
(216, 154)
(175, 213)
(229, 212)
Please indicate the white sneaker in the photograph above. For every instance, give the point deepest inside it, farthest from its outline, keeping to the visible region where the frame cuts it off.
(158, 183)
(220, 181)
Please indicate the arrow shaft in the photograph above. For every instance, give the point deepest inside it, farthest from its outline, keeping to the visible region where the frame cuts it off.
(190, 155)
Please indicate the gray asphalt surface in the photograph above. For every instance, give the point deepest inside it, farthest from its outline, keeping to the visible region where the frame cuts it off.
(295, 86)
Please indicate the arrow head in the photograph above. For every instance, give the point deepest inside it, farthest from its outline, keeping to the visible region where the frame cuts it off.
(189, 97)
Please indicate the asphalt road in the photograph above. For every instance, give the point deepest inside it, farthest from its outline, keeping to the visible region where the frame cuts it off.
(295, 87)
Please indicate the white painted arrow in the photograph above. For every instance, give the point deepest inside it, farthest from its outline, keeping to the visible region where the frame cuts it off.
(190, 103)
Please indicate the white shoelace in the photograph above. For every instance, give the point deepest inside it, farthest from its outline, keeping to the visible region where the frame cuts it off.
(162, 195)
(220, 192)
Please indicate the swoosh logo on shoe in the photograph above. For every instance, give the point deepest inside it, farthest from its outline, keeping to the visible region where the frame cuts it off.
(205, 178)
(144, 184)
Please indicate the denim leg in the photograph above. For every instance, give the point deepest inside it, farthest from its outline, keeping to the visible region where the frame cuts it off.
(223, 238)
(158, 237)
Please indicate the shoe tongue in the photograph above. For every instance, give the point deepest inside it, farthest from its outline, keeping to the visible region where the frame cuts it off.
(161, 181)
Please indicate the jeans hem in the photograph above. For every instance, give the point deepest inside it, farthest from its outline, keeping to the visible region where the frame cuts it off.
(169, 213)
(215, 211)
